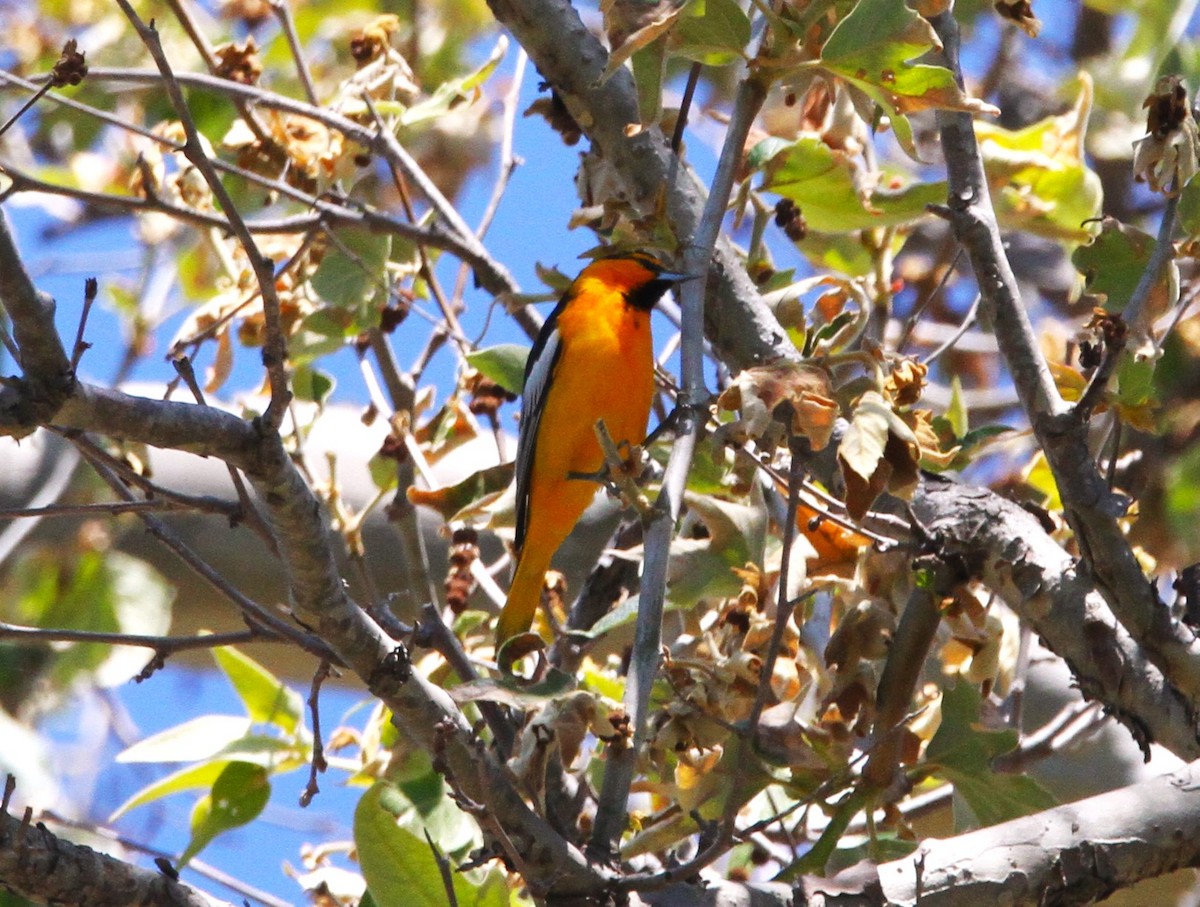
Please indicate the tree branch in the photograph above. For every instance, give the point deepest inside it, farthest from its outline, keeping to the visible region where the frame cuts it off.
(1012, 554)
(1074, 854)
(741, 328)
(36, 864)
(318, 594)
(47, 375)
(1090, 507)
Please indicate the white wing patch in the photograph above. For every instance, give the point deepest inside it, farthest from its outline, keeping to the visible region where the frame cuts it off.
(537, 380)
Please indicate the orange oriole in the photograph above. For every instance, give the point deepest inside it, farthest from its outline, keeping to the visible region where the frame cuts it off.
(593, 359)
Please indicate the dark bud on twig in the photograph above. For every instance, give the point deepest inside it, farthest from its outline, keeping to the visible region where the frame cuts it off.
(464, 551)
(392, 315)
(1090, 354)
(71, 66)
(789, 219)
(1111, 328)
(487, 396)
(393, 448)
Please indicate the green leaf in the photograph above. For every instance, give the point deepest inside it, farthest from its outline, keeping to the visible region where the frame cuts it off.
(820, 180)
(399, 866)
(649, 65)
(1135, 380)
(1044, 184)
(712, 32)
(454, 92)
(267, 699)
(312, 384)
(702, 568)
(1112, 264)
(432, 811)
(513, 692)
(451, 501)
(504, 364)
(962, 752)
(882, 849)
(352, 271)
(995, 798)
(238, 796)
(1040, 478)
(383, 472)
(871, 49)
(203, 775)
(193, 741)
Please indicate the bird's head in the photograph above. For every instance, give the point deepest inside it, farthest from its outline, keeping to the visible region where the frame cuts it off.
(638, 276)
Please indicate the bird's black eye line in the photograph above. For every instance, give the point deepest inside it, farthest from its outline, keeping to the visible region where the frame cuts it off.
(645, 296)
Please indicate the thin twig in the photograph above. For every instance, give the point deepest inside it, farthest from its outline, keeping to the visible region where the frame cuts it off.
(785, 605)
(491, 274)
(254, 519)
(1164, 251)
(163, 645)
(967, 322)
(110, 508)
(914, 316)
(37, 96)
(317, 764)
(447, 308)
(445, 870)
(436, 635)
(685, 107)
(274, 346)
(508, 160)
(257, 615)
(129, 476)
(283, 13)
(611, 811)
(90, 288)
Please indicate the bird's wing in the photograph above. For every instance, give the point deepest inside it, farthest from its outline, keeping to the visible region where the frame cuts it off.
(538, 373)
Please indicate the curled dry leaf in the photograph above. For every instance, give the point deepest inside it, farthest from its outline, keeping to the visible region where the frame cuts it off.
(633, 24)
(557, 116)
(907, 381)
(760, 394)
(878, 453)
(932, 453)
(1169, 154)
(239, 62)
(1020, 13)
(375, 39)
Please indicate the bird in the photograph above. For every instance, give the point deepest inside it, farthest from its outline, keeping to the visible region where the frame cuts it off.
(593, 359)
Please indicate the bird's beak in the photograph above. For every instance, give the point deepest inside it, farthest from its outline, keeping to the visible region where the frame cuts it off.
(676, 276)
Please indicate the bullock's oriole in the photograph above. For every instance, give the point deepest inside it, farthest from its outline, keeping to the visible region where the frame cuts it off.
(593, 359)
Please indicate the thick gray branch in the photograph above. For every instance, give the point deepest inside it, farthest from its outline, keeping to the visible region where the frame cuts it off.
(1075, 854)
(1090, 507)
(47, 370)
(317, 591)
(37, 865)
(1007, 548)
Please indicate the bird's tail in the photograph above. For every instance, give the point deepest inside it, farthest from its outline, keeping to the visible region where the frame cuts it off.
(524, 595)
